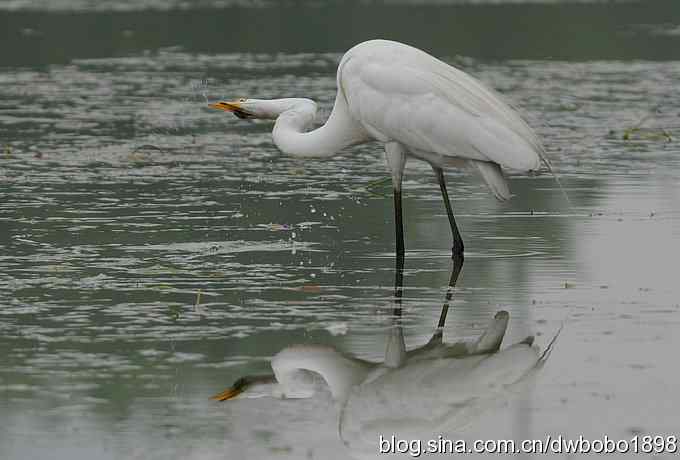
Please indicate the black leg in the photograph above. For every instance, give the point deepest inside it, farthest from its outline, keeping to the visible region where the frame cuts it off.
(398, 224)
(458, 246)
(457, 255)
(395, 352)
(455, 272)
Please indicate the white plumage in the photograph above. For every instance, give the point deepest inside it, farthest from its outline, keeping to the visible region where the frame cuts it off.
(399, 93)
(418, 107)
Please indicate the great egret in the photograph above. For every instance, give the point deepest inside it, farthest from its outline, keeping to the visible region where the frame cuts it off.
(417, 106)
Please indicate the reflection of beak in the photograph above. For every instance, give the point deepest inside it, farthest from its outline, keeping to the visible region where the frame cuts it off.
(236, 389)
(233, 107)
(227, 394)
(243, 384)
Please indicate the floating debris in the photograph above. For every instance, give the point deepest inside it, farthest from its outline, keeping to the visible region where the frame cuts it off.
(637, 132)
(380, 187)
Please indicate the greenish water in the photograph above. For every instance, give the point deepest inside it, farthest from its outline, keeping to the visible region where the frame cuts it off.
(152, 251)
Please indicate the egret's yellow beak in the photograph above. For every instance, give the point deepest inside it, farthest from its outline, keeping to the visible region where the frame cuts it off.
(234, 107)
(226, 106)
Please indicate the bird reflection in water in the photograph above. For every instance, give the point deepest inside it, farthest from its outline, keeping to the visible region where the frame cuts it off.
(436, 388)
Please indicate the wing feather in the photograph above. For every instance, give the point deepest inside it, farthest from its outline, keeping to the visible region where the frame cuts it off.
(403, 94)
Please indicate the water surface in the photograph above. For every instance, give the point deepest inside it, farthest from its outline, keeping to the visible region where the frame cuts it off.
(152, 250)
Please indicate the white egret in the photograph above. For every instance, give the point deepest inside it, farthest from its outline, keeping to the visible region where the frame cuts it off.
(417, 106)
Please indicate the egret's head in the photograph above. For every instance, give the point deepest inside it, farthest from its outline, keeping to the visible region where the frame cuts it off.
(250, 386)
(267, 109)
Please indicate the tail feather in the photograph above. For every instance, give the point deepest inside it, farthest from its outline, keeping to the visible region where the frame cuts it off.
(494, 178)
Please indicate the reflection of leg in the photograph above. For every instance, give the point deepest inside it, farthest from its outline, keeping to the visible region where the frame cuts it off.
(398, 284)
(458, 260)
(395, 352)
(398, 223)
(458, 246)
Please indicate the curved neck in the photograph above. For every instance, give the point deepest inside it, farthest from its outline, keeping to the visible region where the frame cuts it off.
(292, 365)
(340, 130)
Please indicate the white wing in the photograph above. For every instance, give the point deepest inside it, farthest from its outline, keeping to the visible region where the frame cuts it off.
(402, 94)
